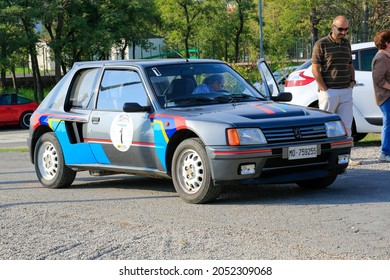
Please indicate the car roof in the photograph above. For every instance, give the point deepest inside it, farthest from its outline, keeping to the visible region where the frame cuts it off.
(360, 46)
(143, 62)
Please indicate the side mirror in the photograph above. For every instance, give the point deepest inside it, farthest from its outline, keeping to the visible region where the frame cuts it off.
(133, 107)
(282, 97)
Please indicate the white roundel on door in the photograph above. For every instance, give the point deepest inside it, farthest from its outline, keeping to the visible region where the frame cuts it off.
(121, 132)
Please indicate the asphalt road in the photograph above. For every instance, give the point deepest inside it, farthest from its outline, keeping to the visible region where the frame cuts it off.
(130, 217)
(11, 137)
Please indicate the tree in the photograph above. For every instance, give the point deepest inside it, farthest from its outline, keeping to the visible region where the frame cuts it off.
(74, 31)
(12, 44)
(241, 10)
(180, 18)
(130, 22)
(77, 30)
(378, 16)
(25, 12)
(54, 16)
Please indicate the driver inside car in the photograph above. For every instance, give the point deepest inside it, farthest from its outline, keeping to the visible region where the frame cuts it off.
(212, 83)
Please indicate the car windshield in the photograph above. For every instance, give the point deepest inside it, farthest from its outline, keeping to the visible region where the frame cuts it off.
(304, 65)
(13, 99)
(192, 84)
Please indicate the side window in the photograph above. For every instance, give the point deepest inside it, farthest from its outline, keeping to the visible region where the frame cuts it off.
(119, 86)
(366, 57)
(5, 99)
(362, 59)
(23, 100)
(82, 89)
(355, 60)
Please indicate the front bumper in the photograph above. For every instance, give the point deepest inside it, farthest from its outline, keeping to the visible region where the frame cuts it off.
(271, 163)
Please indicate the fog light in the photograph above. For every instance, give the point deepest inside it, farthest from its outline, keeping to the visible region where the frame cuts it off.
(343, 159)
(246, 169)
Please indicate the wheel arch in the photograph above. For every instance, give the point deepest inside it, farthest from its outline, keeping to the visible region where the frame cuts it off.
(174, 141)
(38, 132)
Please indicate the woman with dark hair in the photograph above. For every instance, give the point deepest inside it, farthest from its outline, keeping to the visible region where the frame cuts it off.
(381, 78)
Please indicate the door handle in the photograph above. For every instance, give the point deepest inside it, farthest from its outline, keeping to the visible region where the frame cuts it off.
(95, 120)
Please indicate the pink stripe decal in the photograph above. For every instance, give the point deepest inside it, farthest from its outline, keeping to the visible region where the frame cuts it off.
(266, 110)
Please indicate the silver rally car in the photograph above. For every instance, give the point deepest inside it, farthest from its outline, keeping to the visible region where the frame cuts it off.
(197, 122)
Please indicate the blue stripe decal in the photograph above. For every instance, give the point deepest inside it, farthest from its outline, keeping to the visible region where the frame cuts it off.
(160, 142)
(98, 151)
(80, 153)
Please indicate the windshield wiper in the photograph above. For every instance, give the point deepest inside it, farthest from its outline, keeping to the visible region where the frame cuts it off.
(236, 96)
(189, 100)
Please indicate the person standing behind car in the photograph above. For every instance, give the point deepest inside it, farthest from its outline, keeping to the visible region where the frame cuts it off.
(381, 78)
(334, 73)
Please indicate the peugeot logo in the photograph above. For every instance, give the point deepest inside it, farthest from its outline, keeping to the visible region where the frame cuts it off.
(297, 133)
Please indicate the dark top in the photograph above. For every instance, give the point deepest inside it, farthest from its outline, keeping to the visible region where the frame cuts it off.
(334, 59)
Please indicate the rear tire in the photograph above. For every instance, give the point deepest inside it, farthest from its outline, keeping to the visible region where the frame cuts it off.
(319, 183)
(24, 121)
(191, 173)
(50, 164)
(358, 136)
(355, 135)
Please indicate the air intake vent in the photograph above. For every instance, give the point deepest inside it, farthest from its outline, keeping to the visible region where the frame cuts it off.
(293, 134)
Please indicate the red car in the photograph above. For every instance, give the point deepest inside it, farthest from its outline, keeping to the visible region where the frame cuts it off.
(16, 110)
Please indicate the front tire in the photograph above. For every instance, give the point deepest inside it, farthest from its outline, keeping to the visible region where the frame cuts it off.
(319, 183)
(191, 173)
(50, 164)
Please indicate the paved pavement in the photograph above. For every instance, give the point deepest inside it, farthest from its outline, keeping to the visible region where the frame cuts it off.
(13, 137)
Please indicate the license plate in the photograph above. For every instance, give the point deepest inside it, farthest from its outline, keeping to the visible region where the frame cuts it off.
(309, 151)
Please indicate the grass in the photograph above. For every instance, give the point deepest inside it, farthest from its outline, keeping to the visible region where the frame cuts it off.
(14, 149)
(25, 71)
(29, 93)
(372, 139)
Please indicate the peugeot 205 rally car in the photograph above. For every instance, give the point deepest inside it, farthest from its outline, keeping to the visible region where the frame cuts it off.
(159, 118)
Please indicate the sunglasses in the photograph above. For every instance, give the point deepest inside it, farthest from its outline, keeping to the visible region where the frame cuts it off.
(340, 29)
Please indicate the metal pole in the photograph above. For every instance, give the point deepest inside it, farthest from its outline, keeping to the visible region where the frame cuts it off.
(365, 23)
(261, 28)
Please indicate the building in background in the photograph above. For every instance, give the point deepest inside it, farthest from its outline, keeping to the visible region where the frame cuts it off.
(153, 48)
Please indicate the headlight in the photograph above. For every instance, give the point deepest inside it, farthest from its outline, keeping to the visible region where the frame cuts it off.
(335, 129)
(245, 136)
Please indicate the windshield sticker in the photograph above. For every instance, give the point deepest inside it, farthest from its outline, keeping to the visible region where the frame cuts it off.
(121, 132)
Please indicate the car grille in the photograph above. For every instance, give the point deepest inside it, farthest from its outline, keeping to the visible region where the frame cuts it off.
(298, 133)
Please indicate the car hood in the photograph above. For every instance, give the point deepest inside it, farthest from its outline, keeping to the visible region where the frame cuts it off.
(243, 112)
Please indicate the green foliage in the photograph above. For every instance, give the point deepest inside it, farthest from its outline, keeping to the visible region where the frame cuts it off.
(29, 93)
(222, 29)
(14, 149)
(372, 139)
(248, 71)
